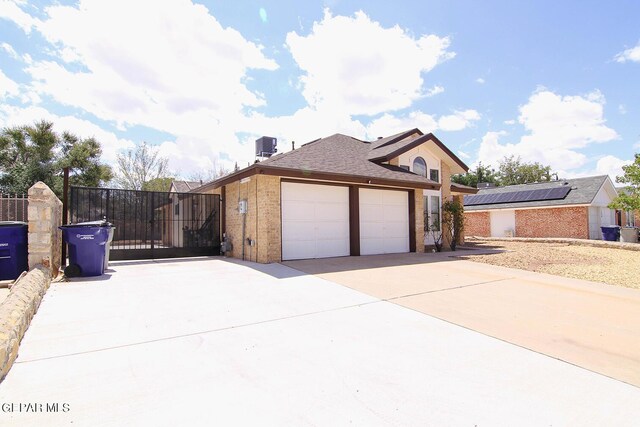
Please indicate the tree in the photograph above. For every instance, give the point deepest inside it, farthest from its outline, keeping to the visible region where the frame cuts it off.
(513, 171)
(480, 174)
(453, 221)
(33, 153)
(207, 175)
(629, 199)
(158, 184)
(140, 166)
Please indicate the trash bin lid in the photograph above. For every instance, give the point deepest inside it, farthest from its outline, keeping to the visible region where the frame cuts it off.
(11, 223)
(99, 223)
(88, 224)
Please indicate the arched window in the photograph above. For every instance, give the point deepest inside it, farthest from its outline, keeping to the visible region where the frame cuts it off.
(420, 167)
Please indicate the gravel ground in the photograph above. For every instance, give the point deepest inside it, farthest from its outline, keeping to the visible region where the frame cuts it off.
(607, 265)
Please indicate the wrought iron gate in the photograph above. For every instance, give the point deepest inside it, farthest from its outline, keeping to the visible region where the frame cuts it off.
(152, 224)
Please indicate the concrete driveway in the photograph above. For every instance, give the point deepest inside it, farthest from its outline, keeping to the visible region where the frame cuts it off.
(220, 342)
(592, 325)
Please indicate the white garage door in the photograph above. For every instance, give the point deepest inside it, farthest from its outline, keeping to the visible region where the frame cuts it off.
(384, 221)
(315, 221)
(503, 223)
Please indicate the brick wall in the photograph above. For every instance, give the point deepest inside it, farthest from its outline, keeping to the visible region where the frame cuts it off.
(553, 222)
(477, 224)
(262, 220)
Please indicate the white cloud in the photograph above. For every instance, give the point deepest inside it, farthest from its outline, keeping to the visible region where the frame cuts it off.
(622, 109)
(558, 127)
(10, 10)
(7, 86)
(353, 64)
(389, 124)
(184, 74)
(606, 165)
(480, 80)
(458, 121)
(9, 49)
(509, 122)
(463, 155)
(631, 54)
(111, 144)
(637, 145)
(434, 91)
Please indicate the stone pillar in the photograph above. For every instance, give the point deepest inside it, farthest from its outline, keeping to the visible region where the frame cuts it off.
(45, 238)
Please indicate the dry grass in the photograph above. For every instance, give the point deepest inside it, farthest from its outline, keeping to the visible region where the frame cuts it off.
(607, 265)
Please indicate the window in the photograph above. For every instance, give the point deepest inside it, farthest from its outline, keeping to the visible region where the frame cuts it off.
(432, 213)
(176, 209)
(420, 167)
(435, 212)
(434, 175)
(631, 221)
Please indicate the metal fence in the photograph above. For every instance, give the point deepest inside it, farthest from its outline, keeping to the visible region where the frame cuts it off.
(13, 207)
(152, 224)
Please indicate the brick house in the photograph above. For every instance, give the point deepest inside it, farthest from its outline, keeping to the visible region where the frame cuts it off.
(338, 196)
(572, 208)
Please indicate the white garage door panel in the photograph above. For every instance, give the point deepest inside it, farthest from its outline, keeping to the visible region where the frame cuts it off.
(396, 229)
(384, 221)
(315, 221)
(332, 230)
(296, 210)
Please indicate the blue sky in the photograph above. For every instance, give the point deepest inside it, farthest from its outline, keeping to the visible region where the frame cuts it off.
(553, 82)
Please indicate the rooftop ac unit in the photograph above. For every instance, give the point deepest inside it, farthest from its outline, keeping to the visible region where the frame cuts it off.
(266, 146)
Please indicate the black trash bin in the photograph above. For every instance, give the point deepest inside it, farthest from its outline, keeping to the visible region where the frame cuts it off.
(14, 250)
(87, 243)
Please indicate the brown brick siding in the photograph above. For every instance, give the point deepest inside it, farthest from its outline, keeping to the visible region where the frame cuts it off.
(477, 224)
(553, 222)
(262, 223)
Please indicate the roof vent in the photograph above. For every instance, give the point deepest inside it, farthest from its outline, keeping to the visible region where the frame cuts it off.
(266, 146)
(565, 183)
(379, 137)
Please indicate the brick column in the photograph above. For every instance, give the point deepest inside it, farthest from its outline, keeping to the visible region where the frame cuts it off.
(45, 238)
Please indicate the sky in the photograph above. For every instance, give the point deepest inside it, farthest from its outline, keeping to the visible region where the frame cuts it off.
(555, 82)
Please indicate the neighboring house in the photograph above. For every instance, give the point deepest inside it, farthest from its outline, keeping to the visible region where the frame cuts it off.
(172, 216)
(184, 186)
(572, 208)
(338, 196)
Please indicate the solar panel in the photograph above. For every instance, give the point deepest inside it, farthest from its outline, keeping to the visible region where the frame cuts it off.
(540, 194)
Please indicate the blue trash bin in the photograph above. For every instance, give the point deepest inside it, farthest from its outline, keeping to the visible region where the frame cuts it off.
(14, 250)
(86, 244)
(611, 233)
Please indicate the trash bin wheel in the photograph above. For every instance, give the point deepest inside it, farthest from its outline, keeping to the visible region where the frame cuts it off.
(72, 270)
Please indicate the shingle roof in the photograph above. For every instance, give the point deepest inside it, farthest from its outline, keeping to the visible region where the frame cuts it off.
(344, 158)
(341, 154)
(583, 191)
(186, 186)
(393, 138)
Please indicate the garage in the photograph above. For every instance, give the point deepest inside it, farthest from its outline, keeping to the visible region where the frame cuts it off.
(315, 221)
(384, 221)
